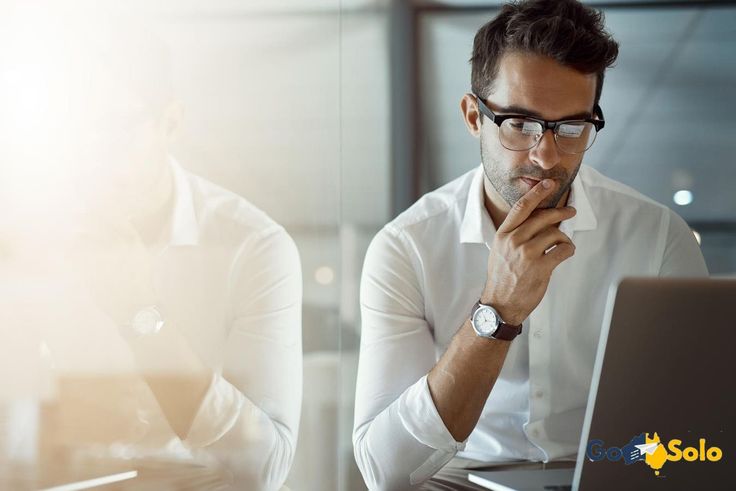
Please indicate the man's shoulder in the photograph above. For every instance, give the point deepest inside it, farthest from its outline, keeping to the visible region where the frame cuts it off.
(225, 214)
(606, 193)
(444, 205)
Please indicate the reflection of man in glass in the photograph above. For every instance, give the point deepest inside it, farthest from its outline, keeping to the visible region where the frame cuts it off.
(482, 303)
(197, 293)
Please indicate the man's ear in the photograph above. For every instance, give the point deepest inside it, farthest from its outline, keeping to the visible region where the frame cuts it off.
(471, 115)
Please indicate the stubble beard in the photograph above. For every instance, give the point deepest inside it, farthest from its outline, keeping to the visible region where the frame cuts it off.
(506, 182)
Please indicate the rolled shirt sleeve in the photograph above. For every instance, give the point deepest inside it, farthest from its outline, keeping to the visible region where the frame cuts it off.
(399, 438)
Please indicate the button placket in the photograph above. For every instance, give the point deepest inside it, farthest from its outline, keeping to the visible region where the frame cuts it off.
(539, 358)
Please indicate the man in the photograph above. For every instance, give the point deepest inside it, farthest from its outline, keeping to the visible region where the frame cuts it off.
(482, 303)
(171, 310)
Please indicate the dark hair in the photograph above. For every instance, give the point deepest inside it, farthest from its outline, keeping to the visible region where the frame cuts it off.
(564, 30)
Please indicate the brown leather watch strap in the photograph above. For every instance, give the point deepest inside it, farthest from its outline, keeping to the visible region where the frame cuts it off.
(507, 332)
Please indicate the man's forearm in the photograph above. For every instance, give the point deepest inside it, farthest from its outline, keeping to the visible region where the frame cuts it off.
(520, 263)
(175, 375)
(462, 379)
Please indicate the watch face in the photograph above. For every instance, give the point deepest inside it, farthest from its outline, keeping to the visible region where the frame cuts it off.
(485, 321)
(147, 321)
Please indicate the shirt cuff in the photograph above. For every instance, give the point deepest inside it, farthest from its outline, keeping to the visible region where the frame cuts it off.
(217, 414)
(419, 416)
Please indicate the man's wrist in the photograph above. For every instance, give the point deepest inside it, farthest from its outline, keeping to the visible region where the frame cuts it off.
(508, 316)
(143, 322)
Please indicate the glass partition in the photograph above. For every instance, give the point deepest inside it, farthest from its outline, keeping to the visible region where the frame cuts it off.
(171, 246)
(190, 187)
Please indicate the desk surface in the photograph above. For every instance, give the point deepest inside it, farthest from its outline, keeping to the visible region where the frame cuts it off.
(113, 475)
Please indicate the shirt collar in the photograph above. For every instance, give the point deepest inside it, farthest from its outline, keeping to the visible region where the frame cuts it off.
(183, 227)
(585, 218)
(477, 226)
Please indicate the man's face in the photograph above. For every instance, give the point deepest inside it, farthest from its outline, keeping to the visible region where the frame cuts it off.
(123, 147)
(541, 87)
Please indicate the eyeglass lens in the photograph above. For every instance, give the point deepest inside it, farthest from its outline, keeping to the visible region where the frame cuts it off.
(523, 134)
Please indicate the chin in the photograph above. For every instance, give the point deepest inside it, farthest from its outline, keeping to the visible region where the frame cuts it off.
(546, 204)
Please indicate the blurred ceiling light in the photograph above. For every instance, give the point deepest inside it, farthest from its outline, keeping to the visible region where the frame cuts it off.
(31, 68)
(44, 94)
(683, 197)
(35, 120)
(324, 275)
(697, 236)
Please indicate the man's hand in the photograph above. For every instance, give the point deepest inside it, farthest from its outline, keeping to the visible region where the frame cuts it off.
(518, 268)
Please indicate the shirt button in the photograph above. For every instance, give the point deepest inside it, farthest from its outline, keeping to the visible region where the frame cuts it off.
(539, 394)
(535, 433)
(537, 334)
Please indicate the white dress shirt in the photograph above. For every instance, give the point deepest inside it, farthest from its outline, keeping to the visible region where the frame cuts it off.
(230, 280)
(423, 273)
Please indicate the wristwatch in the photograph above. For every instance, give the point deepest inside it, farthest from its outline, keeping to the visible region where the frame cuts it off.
(145, 322)
(487, 323)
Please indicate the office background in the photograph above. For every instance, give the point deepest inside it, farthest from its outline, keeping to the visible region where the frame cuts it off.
(335, 115)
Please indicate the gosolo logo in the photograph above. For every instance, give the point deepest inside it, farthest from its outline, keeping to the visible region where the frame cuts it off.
(652, 451)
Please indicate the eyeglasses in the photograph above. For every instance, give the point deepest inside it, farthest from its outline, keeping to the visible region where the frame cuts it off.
(519, 133)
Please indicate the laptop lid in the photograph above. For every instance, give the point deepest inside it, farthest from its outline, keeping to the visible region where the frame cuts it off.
(661, 404)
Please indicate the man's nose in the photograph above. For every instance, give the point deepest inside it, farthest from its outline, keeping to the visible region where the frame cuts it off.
(546, 154)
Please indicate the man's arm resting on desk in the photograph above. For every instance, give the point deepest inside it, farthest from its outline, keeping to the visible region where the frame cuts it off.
(248, 415)
(399, 438)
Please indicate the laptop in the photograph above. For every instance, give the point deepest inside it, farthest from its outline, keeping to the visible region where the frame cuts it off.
(661, 407)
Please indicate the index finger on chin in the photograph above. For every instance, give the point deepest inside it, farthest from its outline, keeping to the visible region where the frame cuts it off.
(524, 207)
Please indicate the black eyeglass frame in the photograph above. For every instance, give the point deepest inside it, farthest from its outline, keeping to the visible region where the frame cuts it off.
(497, 119)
